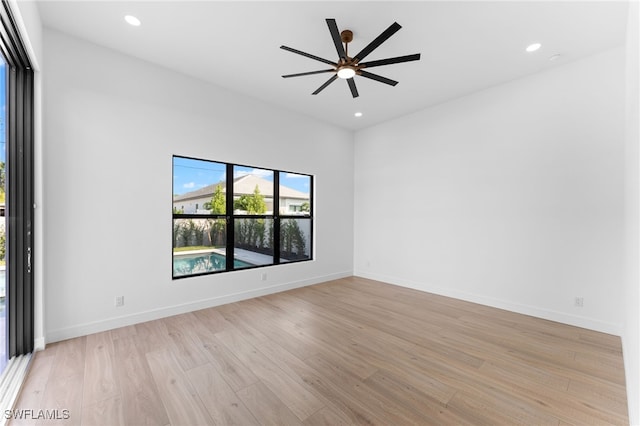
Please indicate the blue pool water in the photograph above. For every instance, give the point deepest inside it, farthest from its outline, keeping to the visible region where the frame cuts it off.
(200, 263)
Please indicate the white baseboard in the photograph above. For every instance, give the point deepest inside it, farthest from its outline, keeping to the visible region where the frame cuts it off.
(561, 317)
(38, 344)
(125, 320)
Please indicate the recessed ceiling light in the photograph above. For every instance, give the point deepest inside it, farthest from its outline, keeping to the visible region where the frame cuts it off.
(132, 20)
(358, 114)
(555, 57)
(533, 47)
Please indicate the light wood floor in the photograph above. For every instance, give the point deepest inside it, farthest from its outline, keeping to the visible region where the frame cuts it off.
(351, 351)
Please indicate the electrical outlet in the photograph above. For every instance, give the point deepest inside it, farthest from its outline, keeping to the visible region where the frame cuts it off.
(264, 276)
(119, 301)
(579, 302)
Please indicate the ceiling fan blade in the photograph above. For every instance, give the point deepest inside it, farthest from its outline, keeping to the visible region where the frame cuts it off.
(321, 88)
(389, 61)
(308, 55)
(337, 40)
(308, 73)
(393, 28)
(352, 86)
(378, 78)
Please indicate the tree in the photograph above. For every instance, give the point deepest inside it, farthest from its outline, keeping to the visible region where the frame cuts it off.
(217, 227)
(177, 232)
(218, 201)
(252, 204)
(250, 233)
(305, 207)
(292, 240)
(191, 232)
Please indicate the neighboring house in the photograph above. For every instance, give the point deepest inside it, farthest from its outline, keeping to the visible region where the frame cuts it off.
(194, 201)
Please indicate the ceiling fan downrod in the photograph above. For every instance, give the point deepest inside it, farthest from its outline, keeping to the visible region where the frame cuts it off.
(347, 37)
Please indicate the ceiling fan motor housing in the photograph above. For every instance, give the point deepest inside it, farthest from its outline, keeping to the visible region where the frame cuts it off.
(346, 36)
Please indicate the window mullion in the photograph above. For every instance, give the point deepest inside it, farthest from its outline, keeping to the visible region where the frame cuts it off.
(276, 217)
(230, 220)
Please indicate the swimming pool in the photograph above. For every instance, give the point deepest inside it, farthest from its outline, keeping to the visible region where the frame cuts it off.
(188, 264)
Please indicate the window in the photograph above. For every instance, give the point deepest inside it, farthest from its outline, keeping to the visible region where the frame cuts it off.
(295, 216)
(255, 216)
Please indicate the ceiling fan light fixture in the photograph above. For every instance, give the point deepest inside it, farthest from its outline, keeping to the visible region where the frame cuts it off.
(346, 72)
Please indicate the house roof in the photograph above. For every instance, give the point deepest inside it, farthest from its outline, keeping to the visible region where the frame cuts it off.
(243, 185)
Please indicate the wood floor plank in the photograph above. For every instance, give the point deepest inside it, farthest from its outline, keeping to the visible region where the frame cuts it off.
(486, 409)
(108, 412)
(555, 402)
(298, 399)
(222, 403)
(267, 407)
(234, 372)
(336, 399)
(256, 317)
(123, 332)
(322, 344)
(186, 348)
(605, 396)
(325, 333)
(151, 336)
(65, 395)
(374, 318)
(212, 319)
(532, 374)
(233, 314)
(140, 399)
(180, 400)
(379, 405)
(70, 358)
(413, 399)
(100, 378)
(329, 416)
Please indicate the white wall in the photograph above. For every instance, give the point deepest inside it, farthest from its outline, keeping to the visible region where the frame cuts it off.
(511, 197)
(111, 125)
(631, 334)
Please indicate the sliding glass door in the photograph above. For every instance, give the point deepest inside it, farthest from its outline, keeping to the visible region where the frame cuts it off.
(16, 192)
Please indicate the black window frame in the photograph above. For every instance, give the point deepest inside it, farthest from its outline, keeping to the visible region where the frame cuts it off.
(230, 217)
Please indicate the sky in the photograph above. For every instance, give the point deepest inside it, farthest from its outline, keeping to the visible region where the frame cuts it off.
(191, 174)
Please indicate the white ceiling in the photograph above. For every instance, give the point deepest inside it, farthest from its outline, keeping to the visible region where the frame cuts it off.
(465, 46)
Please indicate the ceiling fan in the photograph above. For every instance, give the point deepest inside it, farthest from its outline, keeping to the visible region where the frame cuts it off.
(348, 67)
